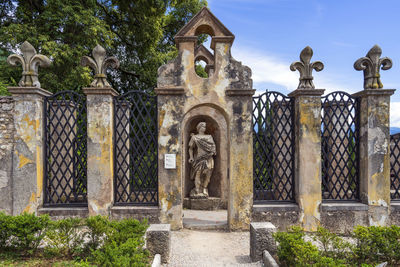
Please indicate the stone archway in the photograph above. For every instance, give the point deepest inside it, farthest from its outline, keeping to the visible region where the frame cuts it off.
(217, 127)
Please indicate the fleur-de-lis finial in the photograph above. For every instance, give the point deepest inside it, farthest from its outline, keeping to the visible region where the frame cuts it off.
(99, 63)
(370, 64)
(30, 62)
(305, 68)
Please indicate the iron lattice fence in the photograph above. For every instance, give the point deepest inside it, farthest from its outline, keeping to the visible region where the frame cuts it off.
(395, 167)
(135, 149)
(340, 146)
(273, 145)
(65, 175)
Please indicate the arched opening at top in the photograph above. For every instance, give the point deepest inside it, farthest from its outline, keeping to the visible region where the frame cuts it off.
(204, 29)
(200, 65)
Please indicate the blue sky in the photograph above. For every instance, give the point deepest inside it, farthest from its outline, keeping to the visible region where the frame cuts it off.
(270, 34)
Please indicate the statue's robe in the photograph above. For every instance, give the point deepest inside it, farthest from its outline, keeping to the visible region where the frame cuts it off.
(205, 151)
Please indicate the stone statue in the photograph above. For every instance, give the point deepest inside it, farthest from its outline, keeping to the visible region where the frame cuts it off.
(202, 162)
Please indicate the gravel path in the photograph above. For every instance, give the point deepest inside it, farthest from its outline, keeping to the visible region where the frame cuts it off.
(210, 249)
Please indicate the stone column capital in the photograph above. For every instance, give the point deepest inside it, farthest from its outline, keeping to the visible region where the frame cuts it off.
(307, 92)
(374, 92)
(99, 91)
(16, 91)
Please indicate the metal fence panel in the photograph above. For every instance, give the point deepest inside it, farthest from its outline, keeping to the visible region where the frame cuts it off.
(395, 167)
(65, 175)
(273, 145)
(135, 149)
(340, 147)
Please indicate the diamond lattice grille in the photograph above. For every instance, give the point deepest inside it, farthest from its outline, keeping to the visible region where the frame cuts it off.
(339, 144)
(136, 173)
(65, 148)
(273, 143)
(395, 167)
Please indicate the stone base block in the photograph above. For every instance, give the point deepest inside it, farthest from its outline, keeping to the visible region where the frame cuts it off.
(158, 240)
(280, 215)
(395, 213)
(211, 203)
(63, 213)
(261, 239)
(139, 213)
(343, 217)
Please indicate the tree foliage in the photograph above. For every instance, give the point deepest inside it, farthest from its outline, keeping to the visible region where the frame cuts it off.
(139, 33)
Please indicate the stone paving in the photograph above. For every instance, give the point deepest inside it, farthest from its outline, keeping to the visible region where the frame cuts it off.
(210, 249)
(202, 247)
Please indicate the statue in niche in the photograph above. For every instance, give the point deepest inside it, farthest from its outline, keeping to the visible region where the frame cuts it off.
(201, 152)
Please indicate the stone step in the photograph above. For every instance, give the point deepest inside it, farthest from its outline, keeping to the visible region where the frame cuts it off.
(205, 220)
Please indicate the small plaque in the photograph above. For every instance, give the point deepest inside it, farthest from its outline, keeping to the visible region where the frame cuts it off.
(170, 161)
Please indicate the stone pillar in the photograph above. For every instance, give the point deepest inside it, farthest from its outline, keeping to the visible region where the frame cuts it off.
(100, 160)
(240, 202)
(170, 103)
(374, 131)
(308, 155)
(28, 161)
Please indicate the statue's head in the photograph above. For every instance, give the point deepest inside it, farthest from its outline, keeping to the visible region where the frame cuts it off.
(201, 124)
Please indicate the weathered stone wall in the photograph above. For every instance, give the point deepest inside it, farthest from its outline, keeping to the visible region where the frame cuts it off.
(6, 152)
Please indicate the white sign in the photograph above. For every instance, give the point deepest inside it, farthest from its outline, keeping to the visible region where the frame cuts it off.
(170, 161)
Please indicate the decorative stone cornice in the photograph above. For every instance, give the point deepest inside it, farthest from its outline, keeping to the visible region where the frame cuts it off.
(307, 92)
(28, 91)
(99, 63)
(99, 91)
(169, 91)
(371, 64)
(30, 62)
(236, 92)
(305, 68)
(374, 92)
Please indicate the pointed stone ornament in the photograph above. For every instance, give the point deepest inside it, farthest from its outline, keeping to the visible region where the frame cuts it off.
(30, 62)
(305, 68)
(371, 64)
(99, 63)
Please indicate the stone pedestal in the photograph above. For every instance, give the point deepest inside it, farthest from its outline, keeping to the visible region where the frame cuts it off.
(158, 240)
(28, 153)
(261, 239)
(375, 153)
(308, 155)
(100, 173)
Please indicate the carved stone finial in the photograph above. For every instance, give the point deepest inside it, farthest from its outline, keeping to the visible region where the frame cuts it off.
(99, 63)
(370, 64)
(30, 62)
(305, 68)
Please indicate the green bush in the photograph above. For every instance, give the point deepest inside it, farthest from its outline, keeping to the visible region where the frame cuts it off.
(5, 229)
(95, 240)
(372, 245)
(294, 251)
(123, 245)
(27, 231)
(376, 244)
(98, 228)
(65, 238)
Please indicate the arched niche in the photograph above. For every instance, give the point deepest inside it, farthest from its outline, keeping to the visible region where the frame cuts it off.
(218, 129)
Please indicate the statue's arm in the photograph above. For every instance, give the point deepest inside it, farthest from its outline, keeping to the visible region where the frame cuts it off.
(191, 150)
